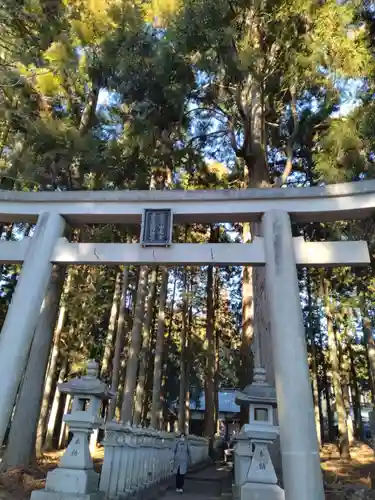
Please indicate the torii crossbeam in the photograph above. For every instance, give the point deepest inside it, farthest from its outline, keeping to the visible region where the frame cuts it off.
(307, 254)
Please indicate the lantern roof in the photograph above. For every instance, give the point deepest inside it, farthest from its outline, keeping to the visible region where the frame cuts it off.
(257, 392)
(88, 385)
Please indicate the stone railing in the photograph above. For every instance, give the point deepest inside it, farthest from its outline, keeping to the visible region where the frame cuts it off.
(198, 449)
(135, 459)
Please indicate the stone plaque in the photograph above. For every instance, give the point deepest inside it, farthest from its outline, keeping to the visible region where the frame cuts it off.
(261, 468)
(157, 227)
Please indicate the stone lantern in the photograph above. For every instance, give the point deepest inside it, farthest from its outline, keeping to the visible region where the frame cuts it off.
(254, 471)
(75, 477)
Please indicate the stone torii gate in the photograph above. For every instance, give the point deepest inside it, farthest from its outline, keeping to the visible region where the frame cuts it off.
(277, 250)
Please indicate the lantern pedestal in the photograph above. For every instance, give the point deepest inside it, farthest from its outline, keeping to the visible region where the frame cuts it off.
(75, 478)
(261, 467)
(255, 477)
(258, 491)
(81, 485)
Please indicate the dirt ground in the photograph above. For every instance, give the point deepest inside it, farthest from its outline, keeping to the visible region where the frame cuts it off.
(345, 480)
(17, 484)
(349, 479)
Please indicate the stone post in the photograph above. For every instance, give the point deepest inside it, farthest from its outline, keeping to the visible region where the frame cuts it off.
(146, 452)
(165, 463)
(75, 478)
(123, 467)
(299, 445)
(132, 463)
(23, 314)
(156, 453)
(115, 464)
(135, 486)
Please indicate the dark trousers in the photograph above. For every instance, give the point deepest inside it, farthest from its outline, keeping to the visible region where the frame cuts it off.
(180, 480)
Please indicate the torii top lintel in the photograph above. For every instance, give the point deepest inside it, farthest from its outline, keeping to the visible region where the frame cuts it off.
(347, 201)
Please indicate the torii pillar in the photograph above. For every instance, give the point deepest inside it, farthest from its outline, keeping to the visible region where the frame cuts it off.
(299, 445)
(23, 314)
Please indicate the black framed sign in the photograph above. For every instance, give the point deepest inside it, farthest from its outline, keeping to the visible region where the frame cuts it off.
(157, 225)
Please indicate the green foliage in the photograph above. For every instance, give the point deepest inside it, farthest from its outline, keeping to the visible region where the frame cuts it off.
(342, 155)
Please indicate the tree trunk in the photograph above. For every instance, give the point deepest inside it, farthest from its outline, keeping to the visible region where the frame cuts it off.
(135, 346)
(133, 294)
(42, 425)
(255, 322)
(246, 355)
(327, 393)
(330, 416)
(188, 366)
(159, 347)
(316, 394)
(370, 348)
(262, 328)
(349, 420)
(321, 418)
(63, 436)
(216, 392)
(119, 344)
(121, 382)
(108, 349)
(59, 420)
(217, 351)
(317, 398)
(21, 441)
(314, 365)
(258, 176)
(356, 395)
(86, 123)
(48, 443)
(184, 340)
(334, 359)
(209, 386)
(344, 376)
(146, 403)
(165, 370)
(88, 113)
(187, 399)
(147, 400)
(140, 390)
